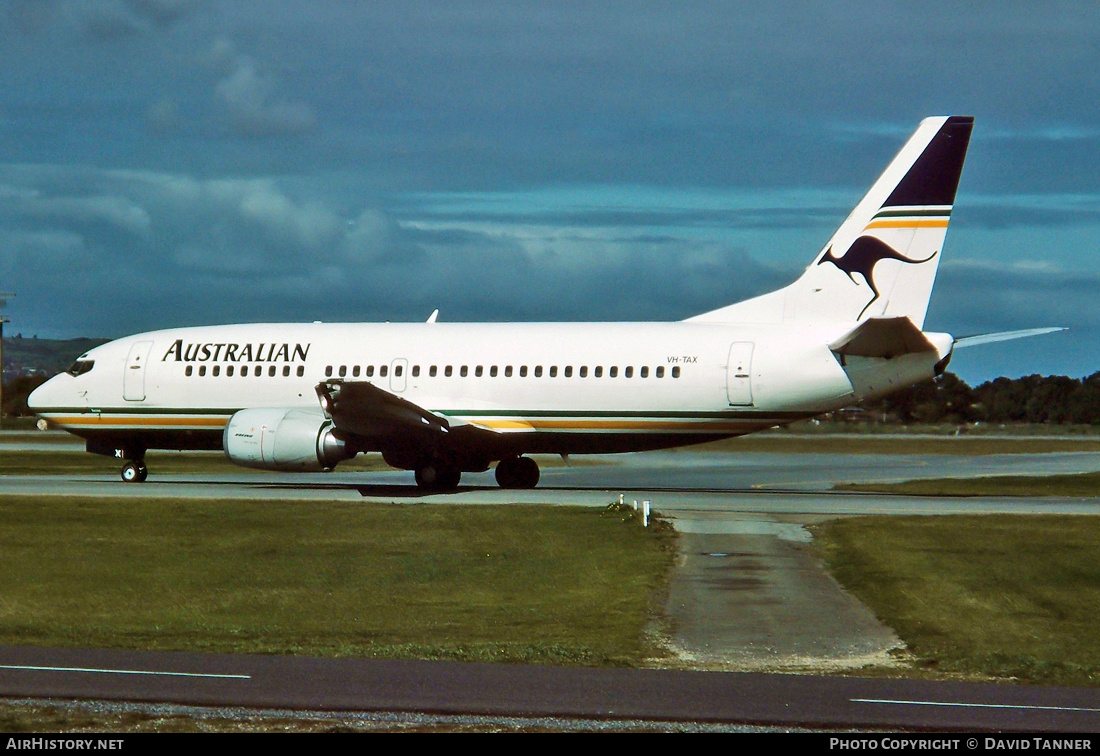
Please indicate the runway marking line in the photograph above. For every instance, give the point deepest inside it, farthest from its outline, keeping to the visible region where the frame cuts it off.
(123, 672)
(965, 705)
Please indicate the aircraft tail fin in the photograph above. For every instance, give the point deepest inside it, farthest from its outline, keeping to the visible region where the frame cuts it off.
(882, 260)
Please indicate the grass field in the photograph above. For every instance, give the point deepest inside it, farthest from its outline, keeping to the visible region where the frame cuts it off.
(1076, 485)
(995, 596)
(870, 443)
(991, 597)
(517, 584)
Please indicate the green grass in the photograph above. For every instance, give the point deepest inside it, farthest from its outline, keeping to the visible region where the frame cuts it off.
(794, 443)
(1074, 485)
(529, 584)
(1004, 597)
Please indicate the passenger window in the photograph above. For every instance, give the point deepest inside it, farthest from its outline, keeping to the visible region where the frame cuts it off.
(612, 372)
(244, 371)
(416, 371)
(216, 371)
(370, 371)
(301, 370)
(448, 371)
(343, 371)
(478, 370)
(493, 371)
(432, 371)
(598, 372)
(202, 370)
(538, 371)
(661, 371)
(553, 371)
(676, 371)
(229, 371)
(383, 371)
(464, 371)
(508, 371)
(271, 371)
(644, 372)
(187, 371)
(355, 372)
(286, 371)
(328, 371)
(628, 372)
(398, 370)
(522, 371)
(584, 371)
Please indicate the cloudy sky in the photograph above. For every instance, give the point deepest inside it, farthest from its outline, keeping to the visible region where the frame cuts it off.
(178, 162)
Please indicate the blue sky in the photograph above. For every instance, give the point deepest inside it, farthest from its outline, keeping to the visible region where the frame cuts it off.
(174, 162)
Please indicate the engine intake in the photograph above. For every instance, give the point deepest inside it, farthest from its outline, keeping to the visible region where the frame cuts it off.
(283, 439)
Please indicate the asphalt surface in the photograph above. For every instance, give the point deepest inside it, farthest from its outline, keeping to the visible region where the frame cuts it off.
(532, 691)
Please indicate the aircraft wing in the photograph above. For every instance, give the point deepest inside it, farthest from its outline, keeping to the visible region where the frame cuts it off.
(363, 409)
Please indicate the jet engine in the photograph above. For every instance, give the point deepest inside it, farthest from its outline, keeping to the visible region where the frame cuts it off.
(283, 439)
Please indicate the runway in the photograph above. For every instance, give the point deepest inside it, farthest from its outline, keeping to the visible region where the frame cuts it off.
(748, 595)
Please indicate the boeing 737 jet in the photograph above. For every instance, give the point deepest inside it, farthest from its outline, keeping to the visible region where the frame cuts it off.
(446, 398)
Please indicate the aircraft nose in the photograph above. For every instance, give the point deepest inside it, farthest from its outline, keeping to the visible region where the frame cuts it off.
(46, 396)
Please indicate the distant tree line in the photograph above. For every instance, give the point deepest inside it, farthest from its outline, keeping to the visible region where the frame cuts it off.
(16, 392)
(1031, 399)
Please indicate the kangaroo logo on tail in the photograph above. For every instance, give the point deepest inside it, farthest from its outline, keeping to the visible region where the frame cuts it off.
(862, 257)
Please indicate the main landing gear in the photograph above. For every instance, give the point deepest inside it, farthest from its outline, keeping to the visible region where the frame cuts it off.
(438, 477)
(511, 472)
(517, 472)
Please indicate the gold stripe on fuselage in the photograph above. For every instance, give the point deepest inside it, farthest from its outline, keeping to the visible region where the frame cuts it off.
(174, 422)
(177, 422)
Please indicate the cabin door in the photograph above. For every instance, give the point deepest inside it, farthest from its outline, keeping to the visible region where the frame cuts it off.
(133, 380)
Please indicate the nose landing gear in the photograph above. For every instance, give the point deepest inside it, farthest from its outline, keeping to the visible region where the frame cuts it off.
(135, 471)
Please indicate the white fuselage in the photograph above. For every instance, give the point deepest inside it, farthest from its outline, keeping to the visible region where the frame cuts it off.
(601, 379)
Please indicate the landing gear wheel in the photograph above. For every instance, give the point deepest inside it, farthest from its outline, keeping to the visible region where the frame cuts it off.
(434, 477)
(517, 472)
(135, 472)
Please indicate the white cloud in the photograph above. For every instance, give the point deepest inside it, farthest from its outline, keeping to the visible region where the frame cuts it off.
(254, 106)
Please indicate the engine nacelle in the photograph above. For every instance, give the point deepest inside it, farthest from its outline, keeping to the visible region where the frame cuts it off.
(283, 439)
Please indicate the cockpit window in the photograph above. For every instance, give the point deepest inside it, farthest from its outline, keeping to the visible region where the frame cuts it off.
(80, 367)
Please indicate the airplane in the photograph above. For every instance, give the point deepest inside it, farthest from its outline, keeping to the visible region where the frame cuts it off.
(442, 399)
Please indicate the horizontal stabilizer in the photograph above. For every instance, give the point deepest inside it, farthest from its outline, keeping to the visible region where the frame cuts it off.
(883, 338)
(993, 338)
